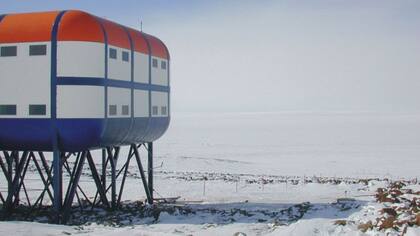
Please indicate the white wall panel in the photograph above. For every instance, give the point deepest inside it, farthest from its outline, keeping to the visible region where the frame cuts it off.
(119, 97)
(141, 68)
(117, 68)
(160, 99)
(80, 101)
(141, 103)
(25, 80)
(159, 75)
(80, 59)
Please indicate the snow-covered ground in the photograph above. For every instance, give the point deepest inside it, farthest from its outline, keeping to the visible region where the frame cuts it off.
(265, 174)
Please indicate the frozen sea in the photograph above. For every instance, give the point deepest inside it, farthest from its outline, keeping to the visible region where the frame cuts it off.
(322, 144)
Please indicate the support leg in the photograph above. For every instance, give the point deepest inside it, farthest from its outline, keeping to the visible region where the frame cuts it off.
(104, 164)
(13, 194)
(96, 178)
(150, 168)
(57, 181)
(125, 167)
(15, 155)
(74, 182)
(113, 158)
(143, 176)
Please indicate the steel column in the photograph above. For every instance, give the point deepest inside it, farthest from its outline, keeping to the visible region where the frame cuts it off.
(15, 167)
(57, 181)
(150, 168)
(95, 175)
(143, 176)
(74, 183)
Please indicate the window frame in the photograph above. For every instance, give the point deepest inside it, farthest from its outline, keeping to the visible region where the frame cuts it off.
(164, 110)
(33, 50)
(113, 54)
(5, 53)
(37, 109)
(125, 110)
(125, 56)
(112, 110)
(155, 63)
(163, 65)
(155, 110)
(6, 108)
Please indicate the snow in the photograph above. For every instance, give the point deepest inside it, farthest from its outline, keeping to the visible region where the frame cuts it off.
(253, 173)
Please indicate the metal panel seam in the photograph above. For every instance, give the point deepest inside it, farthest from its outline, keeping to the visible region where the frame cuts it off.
(53, 75)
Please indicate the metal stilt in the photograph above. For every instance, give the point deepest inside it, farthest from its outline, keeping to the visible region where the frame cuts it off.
(150, 168)
(143, 176)
(15, 166)
(57, 182)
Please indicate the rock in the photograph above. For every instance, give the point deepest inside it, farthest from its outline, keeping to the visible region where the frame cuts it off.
(366, 226)
(397, 185)
(389, 211)
(340, 222)
(395, 193)
(239, 234)
(386, 223)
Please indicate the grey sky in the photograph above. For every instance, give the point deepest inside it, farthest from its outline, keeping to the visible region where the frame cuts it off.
(295, 55)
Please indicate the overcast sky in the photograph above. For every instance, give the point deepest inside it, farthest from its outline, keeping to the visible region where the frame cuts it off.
(277, 55)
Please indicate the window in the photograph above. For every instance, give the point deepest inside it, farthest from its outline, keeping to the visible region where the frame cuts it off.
(7, 109)
(125, 56)
(113, 53)
(37, 110)
(155, 63)
(163, 65)
(163, 110)
(112, 110)
(125, 110)
(37, 50)
(155, 110)
(8, 51)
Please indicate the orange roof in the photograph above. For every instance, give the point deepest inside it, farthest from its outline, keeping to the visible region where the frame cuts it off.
(80, 26)
(158, 48)
(27, 27)
(76, 26)
(139, 41)
(116, 34)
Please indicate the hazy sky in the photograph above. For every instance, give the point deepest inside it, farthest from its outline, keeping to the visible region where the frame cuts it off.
(277, 55)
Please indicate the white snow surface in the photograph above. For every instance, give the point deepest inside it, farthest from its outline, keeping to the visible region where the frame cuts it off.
(237, 152)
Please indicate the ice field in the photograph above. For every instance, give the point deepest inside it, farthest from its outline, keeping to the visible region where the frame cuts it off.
(328, 144)
(266, 174)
